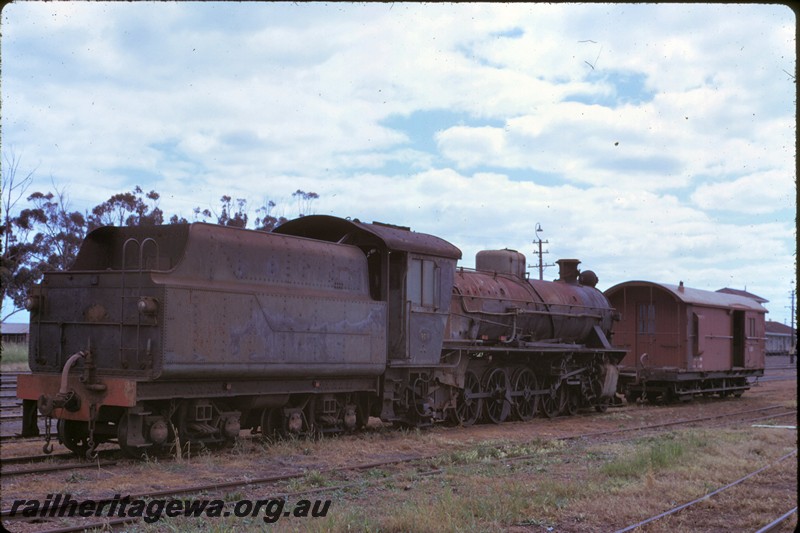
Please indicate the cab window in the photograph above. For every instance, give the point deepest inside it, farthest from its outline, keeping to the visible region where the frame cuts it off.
(422, 283)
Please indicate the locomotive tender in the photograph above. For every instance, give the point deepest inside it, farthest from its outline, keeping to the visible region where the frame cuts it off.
(194, 332)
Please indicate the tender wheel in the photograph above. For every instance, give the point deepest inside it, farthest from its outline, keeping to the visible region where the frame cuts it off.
(498, 405)
(362, 414)
(526, 403)
(469, 407)
(122, 440)
(74, 435)
(272, 425)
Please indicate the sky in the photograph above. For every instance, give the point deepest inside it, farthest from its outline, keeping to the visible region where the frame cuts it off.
(651, 141)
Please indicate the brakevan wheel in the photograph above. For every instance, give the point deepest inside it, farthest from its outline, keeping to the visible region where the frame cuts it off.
(74, 435)
(469, 407)
(632, 397)
(526, 403)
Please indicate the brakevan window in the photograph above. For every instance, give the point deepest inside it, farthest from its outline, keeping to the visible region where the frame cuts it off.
(422, 283)
(752, 326)
(647, 319)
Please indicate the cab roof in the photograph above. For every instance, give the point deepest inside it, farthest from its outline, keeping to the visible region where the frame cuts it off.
(396, 238)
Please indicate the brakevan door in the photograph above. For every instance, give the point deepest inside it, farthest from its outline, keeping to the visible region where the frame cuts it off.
(738, 339)
(645, 333)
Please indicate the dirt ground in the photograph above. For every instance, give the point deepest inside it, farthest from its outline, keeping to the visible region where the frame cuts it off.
(515, 476)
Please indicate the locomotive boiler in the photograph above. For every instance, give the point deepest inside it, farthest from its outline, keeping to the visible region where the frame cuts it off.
(191, 333)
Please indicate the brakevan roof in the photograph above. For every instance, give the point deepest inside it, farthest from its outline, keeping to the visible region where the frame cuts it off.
(695, 296)
(334, 229)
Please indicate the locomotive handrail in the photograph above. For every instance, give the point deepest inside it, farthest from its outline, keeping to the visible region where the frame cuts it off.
(141, 253)
(138, 289)
(128, 241)
(548, 307)
(553, 313)
(513, 331)
(518, 311)
(141, 245)
(514, 300)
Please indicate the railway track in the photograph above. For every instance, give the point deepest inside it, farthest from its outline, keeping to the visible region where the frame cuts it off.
(778, 522)
(411, 461)
(56, 468)
(692, 505)
(226, 485)
(638, 430)
(780, 412)
(39, 464)
(739, 416)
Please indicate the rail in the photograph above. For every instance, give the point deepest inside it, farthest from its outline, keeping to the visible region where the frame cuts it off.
(772, 526)
(707, 496)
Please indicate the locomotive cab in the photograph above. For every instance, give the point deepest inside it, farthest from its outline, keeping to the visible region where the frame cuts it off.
(412, 272)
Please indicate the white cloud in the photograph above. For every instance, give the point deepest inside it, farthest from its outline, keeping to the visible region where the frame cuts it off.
(646, 139)
(757, 193)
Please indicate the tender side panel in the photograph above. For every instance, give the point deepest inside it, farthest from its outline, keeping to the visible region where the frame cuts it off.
(214, 334)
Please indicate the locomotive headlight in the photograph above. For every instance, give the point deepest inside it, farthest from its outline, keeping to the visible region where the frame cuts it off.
(147, 305)
(32, 303)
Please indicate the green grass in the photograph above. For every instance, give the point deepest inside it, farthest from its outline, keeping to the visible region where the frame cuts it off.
(14, 356)
(652, 455)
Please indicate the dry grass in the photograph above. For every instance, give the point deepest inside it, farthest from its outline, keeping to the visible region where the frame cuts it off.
(570, 488)
(512, 478)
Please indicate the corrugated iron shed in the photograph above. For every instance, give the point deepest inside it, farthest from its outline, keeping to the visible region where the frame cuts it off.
(14, 329)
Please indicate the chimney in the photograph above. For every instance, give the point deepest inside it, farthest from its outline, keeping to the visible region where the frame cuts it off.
(568, 270)
(680, 286)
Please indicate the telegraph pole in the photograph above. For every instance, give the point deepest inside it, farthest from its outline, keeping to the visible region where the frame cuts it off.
(540, 242)
(792, 345)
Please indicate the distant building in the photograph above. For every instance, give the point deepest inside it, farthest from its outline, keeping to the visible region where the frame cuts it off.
(779, 338)
(746, 294)
(14, 333)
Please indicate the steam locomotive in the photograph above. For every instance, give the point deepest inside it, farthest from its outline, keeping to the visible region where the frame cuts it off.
(191, 333)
